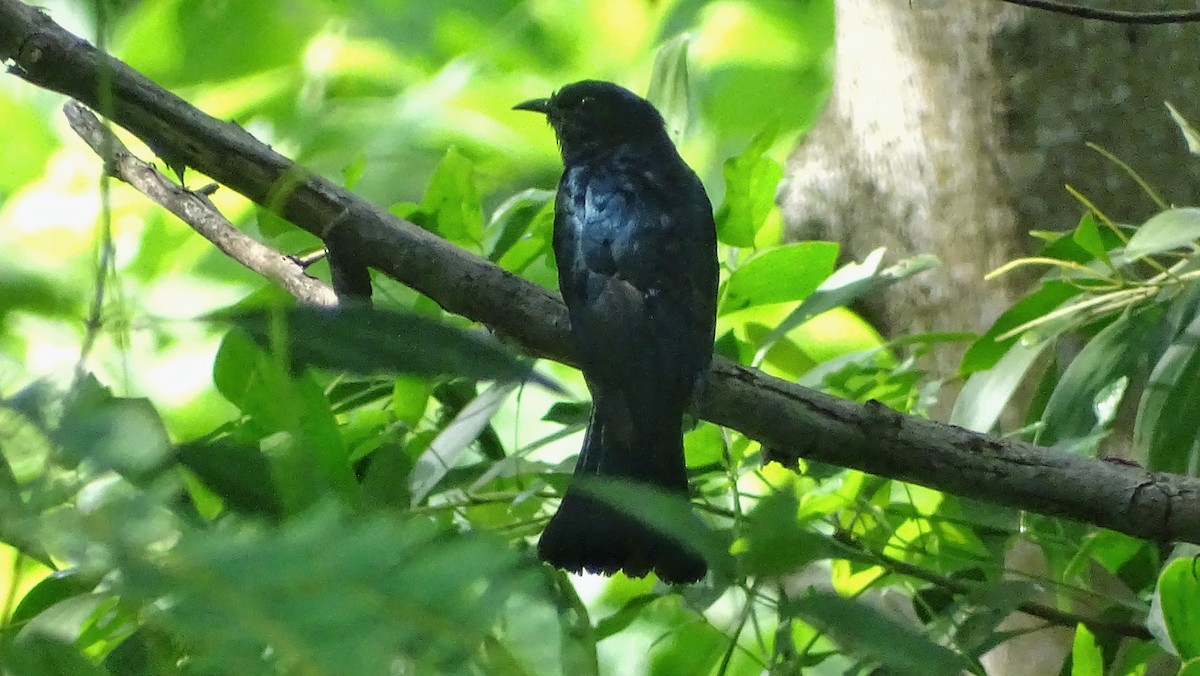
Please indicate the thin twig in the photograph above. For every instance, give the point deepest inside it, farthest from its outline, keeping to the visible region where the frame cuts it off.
(1110, 15)
(197, 211)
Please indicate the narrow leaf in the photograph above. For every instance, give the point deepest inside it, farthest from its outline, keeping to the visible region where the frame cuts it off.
(863, 631)
(1166, 231)
(1113, 353)
(1165, 429)
(445, 450)
(986, 393)
(1190, 135)
(669, 91)
(369, 341)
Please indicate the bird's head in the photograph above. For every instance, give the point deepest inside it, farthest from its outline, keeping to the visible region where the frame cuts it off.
(598, 115)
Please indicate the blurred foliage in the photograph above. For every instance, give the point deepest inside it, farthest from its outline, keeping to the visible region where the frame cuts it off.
(272, 489)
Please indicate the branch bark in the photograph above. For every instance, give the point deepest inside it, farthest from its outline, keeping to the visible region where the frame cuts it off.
(790, 421)
(195, 209)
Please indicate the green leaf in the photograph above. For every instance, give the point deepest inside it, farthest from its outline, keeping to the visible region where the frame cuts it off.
(1190, 135)
(453, 440)
(1110, 355)
(1178, 596)
(849, 283)
(26, 160)
(250, 380)
(691, 648)
(569, 412)
(55, 588)
(782, 274)
(451, 206)
(862, 631)
(328, 594)
(121, 434)
(514, 219)
(985, 352)
(1166, 231)
(986, 393)
(47, 656)
(1165, 431)
(669, 91)
(777, 543)
(1086, 658)
(32, 291)
(410, 398)
(370, 341)
(624, 616)
(352, 172)
(238, 473)
(750, 183)
(1087, 236)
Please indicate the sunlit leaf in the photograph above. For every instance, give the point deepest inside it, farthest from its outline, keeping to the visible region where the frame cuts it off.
(451, 205)
(1178, 596)
(1166, 231)
(750, 183)
(786, 273)
(1086, 658)
(847, 284)
(1087, 236)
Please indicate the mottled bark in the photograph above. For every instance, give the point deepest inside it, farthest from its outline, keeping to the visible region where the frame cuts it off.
(953, 127)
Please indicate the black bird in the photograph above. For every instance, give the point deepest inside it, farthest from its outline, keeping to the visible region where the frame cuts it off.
(637, 266)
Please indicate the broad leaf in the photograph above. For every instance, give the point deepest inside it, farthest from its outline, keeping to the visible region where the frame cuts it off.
(750, 182)
(786, 273)
(1179, 596)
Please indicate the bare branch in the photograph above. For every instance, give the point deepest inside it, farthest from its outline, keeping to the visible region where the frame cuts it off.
(790, 421)
(198, 211)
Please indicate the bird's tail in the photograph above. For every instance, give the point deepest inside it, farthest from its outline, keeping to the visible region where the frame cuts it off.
(588, 534)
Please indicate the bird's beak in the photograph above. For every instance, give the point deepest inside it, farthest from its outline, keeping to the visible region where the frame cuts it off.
(536, 105)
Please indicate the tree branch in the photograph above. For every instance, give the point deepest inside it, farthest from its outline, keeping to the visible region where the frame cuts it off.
(198, 211)
(790, 421)
(1110, 15)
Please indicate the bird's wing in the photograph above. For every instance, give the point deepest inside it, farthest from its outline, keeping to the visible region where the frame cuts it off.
(637, 268)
